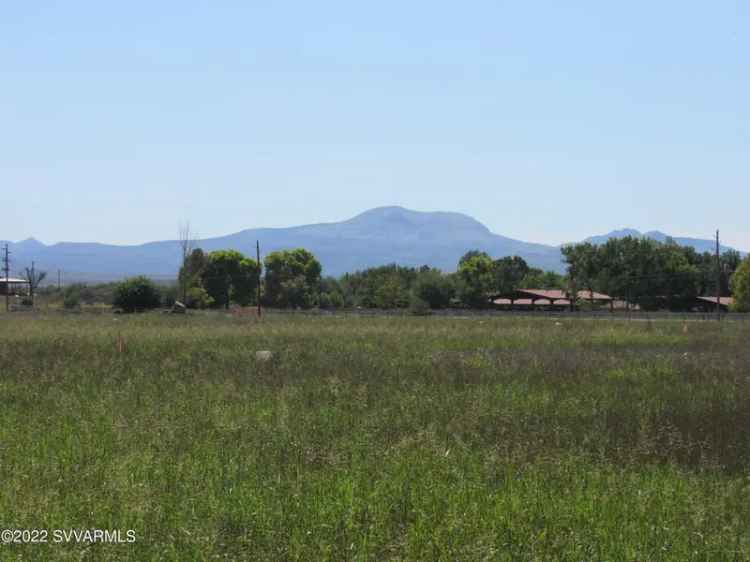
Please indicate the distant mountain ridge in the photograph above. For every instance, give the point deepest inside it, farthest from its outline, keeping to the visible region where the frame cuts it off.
(700, 244)
(375, 237)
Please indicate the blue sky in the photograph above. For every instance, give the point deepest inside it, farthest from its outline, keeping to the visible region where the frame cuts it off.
(547, 121)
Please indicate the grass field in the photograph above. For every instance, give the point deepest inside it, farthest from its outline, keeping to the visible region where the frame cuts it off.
(399, 438)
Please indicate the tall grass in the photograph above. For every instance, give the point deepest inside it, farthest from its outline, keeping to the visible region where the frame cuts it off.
(376, 438)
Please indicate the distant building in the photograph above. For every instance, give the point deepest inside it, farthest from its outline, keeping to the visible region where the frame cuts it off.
(13, 286)
(548, 299)
(708, 304)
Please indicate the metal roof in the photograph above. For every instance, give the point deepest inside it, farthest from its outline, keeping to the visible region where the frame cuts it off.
(557, 294)
(537, 302)
(724, 301)
(593, 295)
(553, 294)
(9, 280)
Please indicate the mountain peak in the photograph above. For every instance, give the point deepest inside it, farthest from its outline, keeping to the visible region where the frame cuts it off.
(29, 244)
(395, 218)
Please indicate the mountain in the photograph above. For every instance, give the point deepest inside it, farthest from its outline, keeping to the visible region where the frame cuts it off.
(376, 237)
(700, 244)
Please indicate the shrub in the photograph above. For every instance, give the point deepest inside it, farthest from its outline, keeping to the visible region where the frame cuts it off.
(72, 297)
(136, 294)
(197, 297)
(419, 306)
(434, 288)
(337, 299)
(741, 287)
(324, 301)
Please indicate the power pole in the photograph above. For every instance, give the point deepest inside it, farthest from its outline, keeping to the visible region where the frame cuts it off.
(257, 253)
(718, 279)
(59, 279)
(6, 269)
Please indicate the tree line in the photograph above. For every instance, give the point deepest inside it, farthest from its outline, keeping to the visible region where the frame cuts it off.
(651, 274)
(644, 272)
(293, 279)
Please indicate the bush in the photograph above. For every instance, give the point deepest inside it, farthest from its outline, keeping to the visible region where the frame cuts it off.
(72, 297)
(324, 301)
(337, 299)
(197, 297)
(741, 287)
(434, 288)
(136, 294)
(419, 306)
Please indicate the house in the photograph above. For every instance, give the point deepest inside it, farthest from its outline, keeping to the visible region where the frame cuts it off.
(13, 286)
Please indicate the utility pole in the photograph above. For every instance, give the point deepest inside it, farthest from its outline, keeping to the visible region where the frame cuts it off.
(718, 279)
(6, 269)
(59, 279)
(257, 251)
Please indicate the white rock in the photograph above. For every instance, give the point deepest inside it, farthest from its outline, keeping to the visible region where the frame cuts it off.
(263, 356)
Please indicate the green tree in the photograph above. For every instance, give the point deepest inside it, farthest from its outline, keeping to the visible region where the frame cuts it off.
(539, 279)
(476, 274)
(292, 278)
(433, 288)
(197, 297)
(331, 293)
(228, 276)
(509, 272)
(678, 278)
(583, 265)
(741, 286)
(386, 286)
(641, 270)
(137, 294)
(192, 270)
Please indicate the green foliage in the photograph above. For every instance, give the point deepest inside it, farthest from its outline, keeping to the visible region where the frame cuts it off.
(137, 294)
(583, 265)
(386, 286)
(72, 296)
(476, 279)
(419, 306)
(509, 273)
(433, 288)
(336, 299)
(652, 274)
(540, 279)
(198, 297)
(292, 279)
(741, 286)
(331, 293)
(228, 276)
(192, 270)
